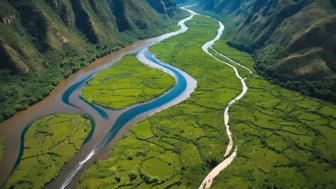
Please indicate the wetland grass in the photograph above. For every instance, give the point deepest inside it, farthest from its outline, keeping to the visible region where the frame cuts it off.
(183, 142)
(48, 144)
(284, 139)
(127, 83)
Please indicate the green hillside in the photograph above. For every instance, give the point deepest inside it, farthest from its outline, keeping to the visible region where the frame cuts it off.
(44, 41)
(293, 41)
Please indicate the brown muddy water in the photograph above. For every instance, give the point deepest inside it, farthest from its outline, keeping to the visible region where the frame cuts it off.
(12, 128)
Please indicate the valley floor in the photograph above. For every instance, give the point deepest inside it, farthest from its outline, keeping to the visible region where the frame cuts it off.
(284, 139)
(186, 140)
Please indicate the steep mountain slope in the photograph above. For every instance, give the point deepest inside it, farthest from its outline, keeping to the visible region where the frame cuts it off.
(44, 41)
(293, 41)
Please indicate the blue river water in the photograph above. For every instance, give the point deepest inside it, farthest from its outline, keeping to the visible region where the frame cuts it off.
(73, 88)
(178, 89)
(124, 118)
(121, 121)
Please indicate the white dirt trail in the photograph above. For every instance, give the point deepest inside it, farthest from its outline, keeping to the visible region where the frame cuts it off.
(230, 154)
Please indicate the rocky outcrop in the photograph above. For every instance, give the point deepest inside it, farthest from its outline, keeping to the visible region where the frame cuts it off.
(166, 7)
(64, 10)
(8, 19)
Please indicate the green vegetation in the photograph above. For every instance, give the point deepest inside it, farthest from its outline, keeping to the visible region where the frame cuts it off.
(284, 139)
(126, 83)
(288, 140)
(48, 40)
(292, 41)
(177, 147)
(48, 144)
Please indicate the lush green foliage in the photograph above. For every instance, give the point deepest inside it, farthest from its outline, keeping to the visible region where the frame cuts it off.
(18, 92)
(284, 139)
(48, 144)
(184, 142)
(126, 83)
(293, 41)
(43, 46)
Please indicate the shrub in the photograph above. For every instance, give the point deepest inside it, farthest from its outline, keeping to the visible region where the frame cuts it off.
(132, 175)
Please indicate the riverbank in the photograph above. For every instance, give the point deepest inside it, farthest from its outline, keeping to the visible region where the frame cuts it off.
(12, 128)
(123, 120)
(19, 91)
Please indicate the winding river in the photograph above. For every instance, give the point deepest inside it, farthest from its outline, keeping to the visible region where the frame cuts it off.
(230, 153)
(108, 124)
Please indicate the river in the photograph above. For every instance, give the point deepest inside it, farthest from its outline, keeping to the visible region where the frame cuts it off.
(230, 152)
(108, 124)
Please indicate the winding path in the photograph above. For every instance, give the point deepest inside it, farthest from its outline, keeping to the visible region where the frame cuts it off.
(230, 153)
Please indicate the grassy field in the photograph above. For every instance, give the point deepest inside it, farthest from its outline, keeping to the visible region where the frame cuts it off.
(126, 83)
(48, 144)
(288, 141)
(285, 140)
(177, 147)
